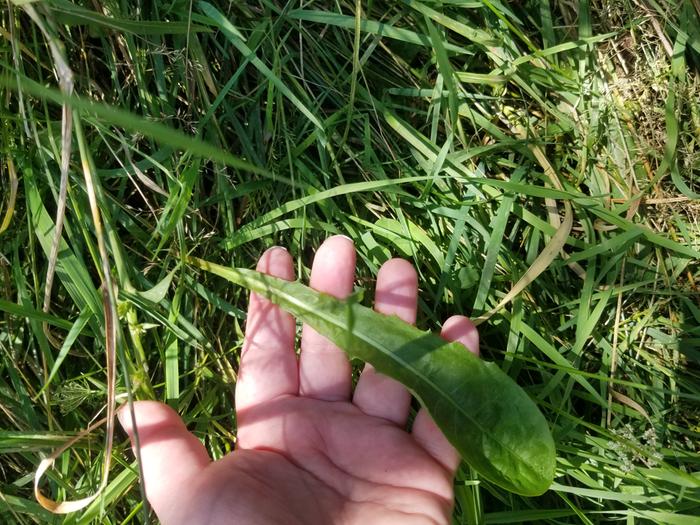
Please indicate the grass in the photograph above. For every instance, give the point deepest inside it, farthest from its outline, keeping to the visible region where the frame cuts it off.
(473, 137)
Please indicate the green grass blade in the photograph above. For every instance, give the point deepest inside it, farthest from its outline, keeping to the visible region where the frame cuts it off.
(234, 37)
(369, 26)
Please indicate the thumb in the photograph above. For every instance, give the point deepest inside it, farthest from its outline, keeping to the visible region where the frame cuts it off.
(170, 454)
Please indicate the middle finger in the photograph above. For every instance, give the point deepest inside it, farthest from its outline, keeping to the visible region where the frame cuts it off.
(324, 369)
(396, 294)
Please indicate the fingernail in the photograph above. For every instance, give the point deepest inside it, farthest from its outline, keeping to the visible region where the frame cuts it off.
(275, 253)
(346, 237)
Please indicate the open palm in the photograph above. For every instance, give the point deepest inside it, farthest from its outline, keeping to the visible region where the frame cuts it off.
(309, 451)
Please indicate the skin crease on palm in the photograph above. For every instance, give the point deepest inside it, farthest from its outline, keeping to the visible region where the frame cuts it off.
(309, 450)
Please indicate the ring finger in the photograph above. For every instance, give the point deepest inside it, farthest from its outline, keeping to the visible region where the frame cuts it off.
(396, 294)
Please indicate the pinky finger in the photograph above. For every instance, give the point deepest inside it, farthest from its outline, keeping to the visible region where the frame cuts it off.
(460, 329)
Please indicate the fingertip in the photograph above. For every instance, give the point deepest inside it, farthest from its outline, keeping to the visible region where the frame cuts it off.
(462, 330)
(273, 249)
(148, 414)
(397, 290)
(339, 238)
(277, 261)
(398, 268)
(333, 268)
(156, 422)
(344, 237)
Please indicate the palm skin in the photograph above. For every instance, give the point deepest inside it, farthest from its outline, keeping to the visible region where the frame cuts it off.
(308, 451)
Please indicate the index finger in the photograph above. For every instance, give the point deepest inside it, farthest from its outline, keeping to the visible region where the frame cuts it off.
(268, 367)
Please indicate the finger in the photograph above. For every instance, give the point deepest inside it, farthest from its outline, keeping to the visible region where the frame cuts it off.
(425, 431)
(171, 456)
(268, 367)
(396, 294)
(324, 369)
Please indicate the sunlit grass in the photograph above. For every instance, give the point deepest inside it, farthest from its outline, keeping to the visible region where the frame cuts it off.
(428, 134)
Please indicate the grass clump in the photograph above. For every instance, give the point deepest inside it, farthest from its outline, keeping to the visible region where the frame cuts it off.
(466, 136)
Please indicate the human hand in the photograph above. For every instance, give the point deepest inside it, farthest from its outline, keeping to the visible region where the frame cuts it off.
(309, 451)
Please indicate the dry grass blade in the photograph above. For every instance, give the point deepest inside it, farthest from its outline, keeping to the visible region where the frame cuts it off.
(12, 173)
(551, 250)
(66, 130)
(64, 507)
(65, 79)
(626, 400)
(541, 263)
(110, 316)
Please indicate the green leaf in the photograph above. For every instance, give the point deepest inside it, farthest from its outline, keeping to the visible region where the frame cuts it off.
(489, 419)
(158, 292)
